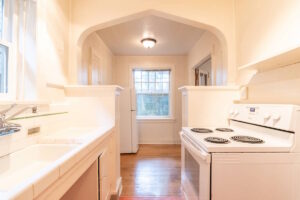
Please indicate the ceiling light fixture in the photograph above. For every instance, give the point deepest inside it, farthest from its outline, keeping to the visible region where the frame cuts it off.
(148, 42)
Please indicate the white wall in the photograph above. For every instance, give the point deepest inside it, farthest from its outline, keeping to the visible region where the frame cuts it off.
(208, 106)
(52, 47)
(207, 45)
(159, 131)
(265, 28)
(96, 58)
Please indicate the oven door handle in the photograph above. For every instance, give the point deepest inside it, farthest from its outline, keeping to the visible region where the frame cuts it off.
(193, 148)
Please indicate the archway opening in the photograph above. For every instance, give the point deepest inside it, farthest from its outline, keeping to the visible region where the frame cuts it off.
(217, 49)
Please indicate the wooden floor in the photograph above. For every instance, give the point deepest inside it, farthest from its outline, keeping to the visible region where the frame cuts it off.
(151, 173)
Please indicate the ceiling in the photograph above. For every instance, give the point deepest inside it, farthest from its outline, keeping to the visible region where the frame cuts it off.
(173, 38)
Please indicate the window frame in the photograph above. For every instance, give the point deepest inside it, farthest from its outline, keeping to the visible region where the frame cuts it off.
(11, 84)
(9, 23)
(171, 88)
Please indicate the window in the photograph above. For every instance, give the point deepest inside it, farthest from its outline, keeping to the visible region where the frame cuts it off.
(152, 92)
(3, 68)
(1, 17)
(4, 49)
(17, 47)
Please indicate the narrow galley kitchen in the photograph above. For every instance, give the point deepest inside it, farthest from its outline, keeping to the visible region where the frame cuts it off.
(149, 100)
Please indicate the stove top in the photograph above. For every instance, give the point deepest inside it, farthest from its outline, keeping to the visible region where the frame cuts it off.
(250, 128)
(239, 139)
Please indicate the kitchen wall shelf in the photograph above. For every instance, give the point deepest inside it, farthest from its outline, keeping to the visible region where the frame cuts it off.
(289, 57)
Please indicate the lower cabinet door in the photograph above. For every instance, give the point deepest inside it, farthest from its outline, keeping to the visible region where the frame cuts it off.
(86, 187)
(104, 188)
(103, 179)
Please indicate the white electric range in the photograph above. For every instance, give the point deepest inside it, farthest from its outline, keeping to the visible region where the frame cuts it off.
(256, 157)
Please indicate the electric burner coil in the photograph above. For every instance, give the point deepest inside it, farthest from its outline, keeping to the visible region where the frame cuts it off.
(225, 129)
(201, 130)
(247, 139)
(217, 140)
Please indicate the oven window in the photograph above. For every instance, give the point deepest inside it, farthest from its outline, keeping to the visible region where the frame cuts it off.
(192, 170)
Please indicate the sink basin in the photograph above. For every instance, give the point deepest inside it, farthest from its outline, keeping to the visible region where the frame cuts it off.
(21, 165)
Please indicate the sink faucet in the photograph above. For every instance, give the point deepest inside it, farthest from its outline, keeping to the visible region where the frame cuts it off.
(4, 120)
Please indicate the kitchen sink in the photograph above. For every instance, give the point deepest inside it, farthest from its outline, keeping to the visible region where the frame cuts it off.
(23, 164)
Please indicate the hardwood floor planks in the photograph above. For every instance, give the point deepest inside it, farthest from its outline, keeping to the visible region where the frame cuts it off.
(152, 173)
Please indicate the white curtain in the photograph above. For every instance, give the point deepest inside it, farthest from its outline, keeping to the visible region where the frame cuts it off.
(20, 30)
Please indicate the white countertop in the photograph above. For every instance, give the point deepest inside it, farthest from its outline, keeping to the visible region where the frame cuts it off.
(41, 175)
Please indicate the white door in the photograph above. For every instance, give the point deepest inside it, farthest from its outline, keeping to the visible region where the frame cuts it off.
(134, 132)
(133, 99)
(125, 121)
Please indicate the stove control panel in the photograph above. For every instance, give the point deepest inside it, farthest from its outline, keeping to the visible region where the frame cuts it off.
(279, 116)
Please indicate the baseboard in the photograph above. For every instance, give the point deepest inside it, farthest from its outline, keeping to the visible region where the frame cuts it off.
(118, 191)
(160, 142)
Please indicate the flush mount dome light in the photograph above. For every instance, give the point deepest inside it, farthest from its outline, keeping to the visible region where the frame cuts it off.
(148, 42)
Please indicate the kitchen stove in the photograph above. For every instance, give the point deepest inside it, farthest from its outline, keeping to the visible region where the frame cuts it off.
(259, 151)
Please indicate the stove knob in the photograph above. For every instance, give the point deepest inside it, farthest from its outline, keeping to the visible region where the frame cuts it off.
(276, 117)
(267, 116)
(236, 112)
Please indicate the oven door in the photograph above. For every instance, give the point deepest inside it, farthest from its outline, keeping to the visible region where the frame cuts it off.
(195, 171)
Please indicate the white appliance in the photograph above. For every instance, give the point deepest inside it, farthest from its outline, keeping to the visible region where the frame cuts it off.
(129, 139)
(256, 157)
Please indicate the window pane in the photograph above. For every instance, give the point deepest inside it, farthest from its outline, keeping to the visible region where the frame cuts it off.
(3, 68)
(144, 76)
(166, 75)
(138, 86)
(138, 76)
(151, 76)
(159, 86)
(151, 87)
(166, 87)
(152, 104)
(145, 86)
(159, 75)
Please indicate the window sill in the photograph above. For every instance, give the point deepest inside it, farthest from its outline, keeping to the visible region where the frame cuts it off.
(153, 119)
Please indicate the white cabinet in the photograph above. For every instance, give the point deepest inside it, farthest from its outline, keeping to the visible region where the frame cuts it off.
(96, 182)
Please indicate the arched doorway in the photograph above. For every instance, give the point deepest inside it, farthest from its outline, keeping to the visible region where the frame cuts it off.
(211, 29)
